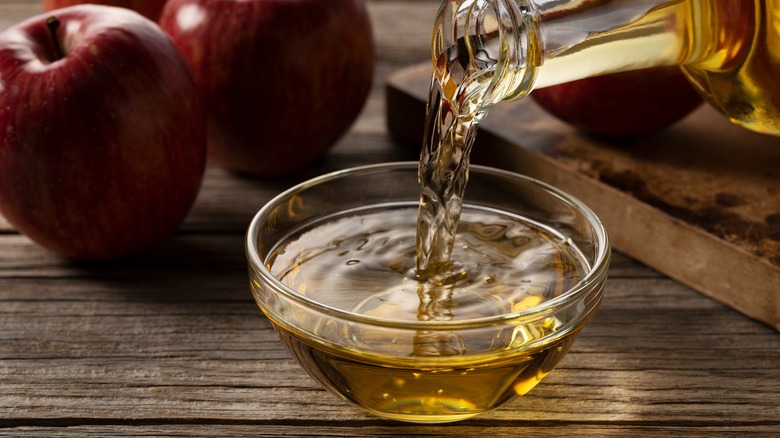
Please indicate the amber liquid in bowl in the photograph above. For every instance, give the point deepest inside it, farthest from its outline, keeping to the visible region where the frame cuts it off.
(426, 391)
(363, 262)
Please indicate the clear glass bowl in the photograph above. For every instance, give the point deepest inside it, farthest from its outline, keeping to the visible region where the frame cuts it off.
(427, 369)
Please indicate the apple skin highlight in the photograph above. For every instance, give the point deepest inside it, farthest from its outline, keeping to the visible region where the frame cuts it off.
(102, 152)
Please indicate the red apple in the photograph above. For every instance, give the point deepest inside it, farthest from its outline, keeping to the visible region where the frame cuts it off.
(281, 81)
(102, 136)
(623, 104)
(149, 8)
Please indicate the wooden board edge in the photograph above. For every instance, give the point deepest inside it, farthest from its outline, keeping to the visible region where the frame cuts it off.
(740, 273)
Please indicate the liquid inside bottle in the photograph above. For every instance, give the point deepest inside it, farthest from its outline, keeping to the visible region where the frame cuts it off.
(729, 49)
(734, 59)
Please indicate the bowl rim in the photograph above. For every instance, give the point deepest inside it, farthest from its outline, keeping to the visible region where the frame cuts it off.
(594, 278)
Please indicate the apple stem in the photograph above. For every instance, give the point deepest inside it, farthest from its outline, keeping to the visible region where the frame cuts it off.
(53, 24)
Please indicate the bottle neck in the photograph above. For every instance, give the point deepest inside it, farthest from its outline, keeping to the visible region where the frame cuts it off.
(581, 38)
(485, 51)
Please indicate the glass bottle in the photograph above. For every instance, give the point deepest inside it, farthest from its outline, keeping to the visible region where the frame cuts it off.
(486, 51)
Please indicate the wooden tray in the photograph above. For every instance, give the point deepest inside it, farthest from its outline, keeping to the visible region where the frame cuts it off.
(699, 202)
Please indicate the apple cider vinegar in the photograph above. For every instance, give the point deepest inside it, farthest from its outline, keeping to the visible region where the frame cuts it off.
(734, 59)
(363, 262)
(729, 49)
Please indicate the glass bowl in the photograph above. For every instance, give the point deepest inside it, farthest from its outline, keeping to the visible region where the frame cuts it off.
(332, 265)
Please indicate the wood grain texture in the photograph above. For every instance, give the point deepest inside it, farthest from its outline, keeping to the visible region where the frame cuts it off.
(171, 344)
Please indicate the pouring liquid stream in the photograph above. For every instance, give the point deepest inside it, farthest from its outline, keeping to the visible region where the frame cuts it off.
(387, 262)
(471, 73)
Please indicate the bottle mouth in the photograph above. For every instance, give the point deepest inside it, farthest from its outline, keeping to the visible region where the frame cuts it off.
(488, 49)
(519, 27)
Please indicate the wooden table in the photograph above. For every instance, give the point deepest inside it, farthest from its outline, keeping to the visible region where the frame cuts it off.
(171, 343)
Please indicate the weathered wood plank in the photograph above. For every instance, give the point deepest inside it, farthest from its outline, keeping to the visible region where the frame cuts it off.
(184, 344)
(170, 343)
(359, 428)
